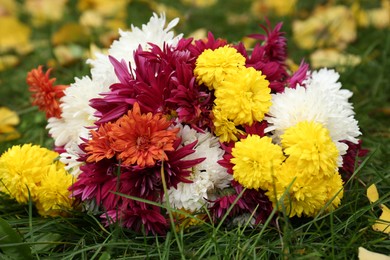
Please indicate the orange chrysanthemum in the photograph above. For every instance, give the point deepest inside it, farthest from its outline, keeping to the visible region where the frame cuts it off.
(45, 95)
(99, 147)
(142, 139)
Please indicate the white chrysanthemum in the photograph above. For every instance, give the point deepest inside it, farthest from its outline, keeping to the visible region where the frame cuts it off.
(76, 114)
(207, 176)
(321, 101)
(154, 32)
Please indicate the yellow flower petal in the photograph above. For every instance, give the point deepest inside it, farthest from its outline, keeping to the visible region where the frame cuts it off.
(372, 193)
(365, 254)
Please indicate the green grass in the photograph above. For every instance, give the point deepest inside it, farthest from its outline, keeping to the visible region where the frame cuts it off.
(335, 235)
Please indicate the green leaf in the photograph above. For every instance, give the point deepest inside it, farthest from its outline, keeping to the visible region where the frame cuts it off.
(11, 243)
(45, 242)
(105, 256)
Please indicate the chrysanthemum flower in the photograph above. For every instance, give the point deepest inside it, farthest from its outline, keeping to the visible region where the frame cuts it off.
(224, 128)
(304, 194)
(255, 161)
(206, 176)
(22, 168)
(99, 146)
(321, 101)
(53, 197)
(212, 66)
(310, 148)
(244, 96)
(142, 139)
(45, 95)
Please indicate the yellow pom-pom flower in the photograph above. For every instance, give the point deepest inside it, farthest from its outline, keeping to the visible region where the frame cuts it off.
(21, 169)
(212, 66)
(256, 160)
(224, 128)
(310, 149)
(245, 96)
(305, 195)
(53, 196)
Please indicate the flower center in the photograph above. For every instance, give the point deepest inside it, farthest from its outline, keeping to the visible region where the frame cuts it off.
(143, 142)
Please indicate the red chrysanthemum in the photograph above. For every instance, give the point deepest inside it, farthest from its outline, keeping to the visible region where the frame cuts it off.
(45, 95)
(142, 139)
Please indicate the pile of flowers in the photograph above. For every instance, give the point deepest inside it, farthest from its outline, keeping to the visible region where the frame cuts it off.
(206, 125)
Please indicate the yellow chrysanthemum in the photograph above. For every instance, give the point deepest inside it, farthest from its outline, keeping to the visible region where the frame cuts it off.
(335, 192)
(245, 96)
(212, 66)
(310, 149)
(224, 128)
(256, 160)
(21, 169)
(53, 196)
(304, 194)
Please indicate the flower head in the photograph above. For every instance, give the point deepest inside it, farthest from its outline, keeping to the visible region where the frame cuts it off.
(53, 196)
(244, 96)
(142, 139)
(305, 195)
(22, 168)
(45, 95)
(224, 128)
(255, 161)
(310, 149)
(99, 146)
(321, 101)
(212, 66)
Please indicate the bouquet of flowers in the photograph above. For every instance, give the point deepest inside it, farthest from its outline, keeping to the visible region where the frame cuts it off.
(207, 127)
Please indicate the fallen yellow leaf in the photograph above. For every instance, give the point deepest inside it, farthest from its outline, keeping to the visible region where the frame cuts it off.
(70, 33)
(200, 3)
(383, 223)
(8, 61)
(365, 254)
(14, 35)
(372, 193)
(8, 8)
(333, 58)
(279, 7)
(8, 120)
(44, 11)
(332, 26)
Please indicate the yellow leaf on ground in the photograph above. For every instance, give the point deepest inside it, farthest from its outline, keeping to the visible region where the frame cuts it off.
(198, 34)
(8, 120)
(372, 193)
(70, 33)
(8, 61)
(14, 35)
(45, 11)
(8, 8)
(365, 254)
(332, 26)
(279, 7)
(383, 223)
(200, 3)
(333, 58)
